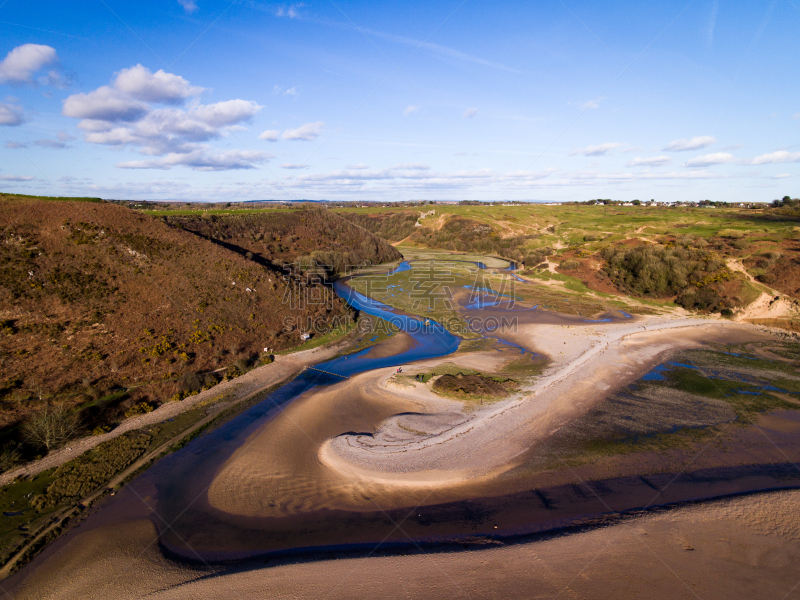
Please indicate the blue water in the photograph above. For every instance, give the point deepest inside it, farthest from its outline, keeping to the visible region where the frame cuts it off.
(656, 374)
(403, 266)
(432, 339)
(481, 301)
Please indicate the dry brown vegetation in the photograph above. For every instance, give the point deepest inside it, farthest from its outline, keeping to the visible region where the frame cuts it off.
(105, 309)
(391, 226)
(312, 239)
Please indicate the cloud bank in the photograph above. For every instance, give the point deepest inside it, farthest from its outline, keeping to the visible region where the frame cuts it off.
(694, 143)
(122, 115)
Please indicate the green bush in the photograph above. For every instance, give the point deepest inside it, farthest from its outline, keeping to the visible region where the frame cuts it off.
(570, 265)
(140, 409)
(660, 271)
(81, 476)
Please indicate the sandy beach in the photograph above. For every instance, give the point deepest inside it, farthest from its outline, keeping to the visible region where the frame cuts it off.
(410, 443)
(743, 547)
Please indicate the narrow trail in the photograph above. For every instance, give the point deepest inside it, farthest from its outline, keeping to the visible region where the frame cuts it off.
(235, 391)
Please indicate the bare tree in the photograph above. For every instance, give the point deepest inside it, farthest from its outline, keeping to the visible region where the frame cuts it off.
(51, 427)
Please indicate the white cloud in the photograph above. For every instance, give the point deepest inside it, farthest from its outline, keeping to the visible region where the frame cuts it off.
(292, 91)
(188, 5)
(288, 11)
(410, 109)
(598, 150)
(411, 167)
(166, 88)
(112, 116)
(125, 99)
(781, 156)
(593, 103)
(470, 113)
(782, 176)
(104, 104)
(293, 166)
(22, 62)
(717, 158)
(16, 178)
(228, 112)
(694, 143)
(15, 145)
(270, 135)
(655, 161)
(202, 159)
(307, 133)
(169, 130)
(10, 114)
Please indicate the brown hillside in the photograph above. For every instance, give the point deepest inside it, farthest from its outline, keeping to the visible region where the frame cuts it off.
(391, 226)
(312, 238)
(96, 297)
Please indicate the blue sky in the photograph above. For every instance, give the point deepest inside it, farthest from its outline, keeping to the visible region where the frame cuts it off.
(207, 100)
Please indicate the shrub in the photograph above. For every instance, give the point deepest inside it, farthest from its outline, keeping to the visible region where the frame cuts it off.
(9, 457)
(189, 382)
(662, 271)
(101, 429)
(139, 409)
(79, 477)
(51, 427)
(570, 265)
(209, 380)
(267, 359)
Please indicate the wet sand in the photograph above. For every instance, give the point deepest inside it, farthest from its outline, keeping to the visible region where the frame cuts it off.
(742, 547)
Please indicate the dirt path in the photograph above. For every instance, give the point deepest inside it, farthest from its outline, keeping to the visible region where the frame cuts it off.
(236, 390)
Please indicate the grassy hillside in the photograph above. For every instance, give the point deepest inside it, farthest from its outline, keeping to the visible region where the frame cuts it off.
(103, 308)
(669, 253)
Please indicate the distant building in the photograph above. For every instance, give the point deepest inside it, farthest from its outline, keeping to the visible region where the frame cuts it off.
(305, 336)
